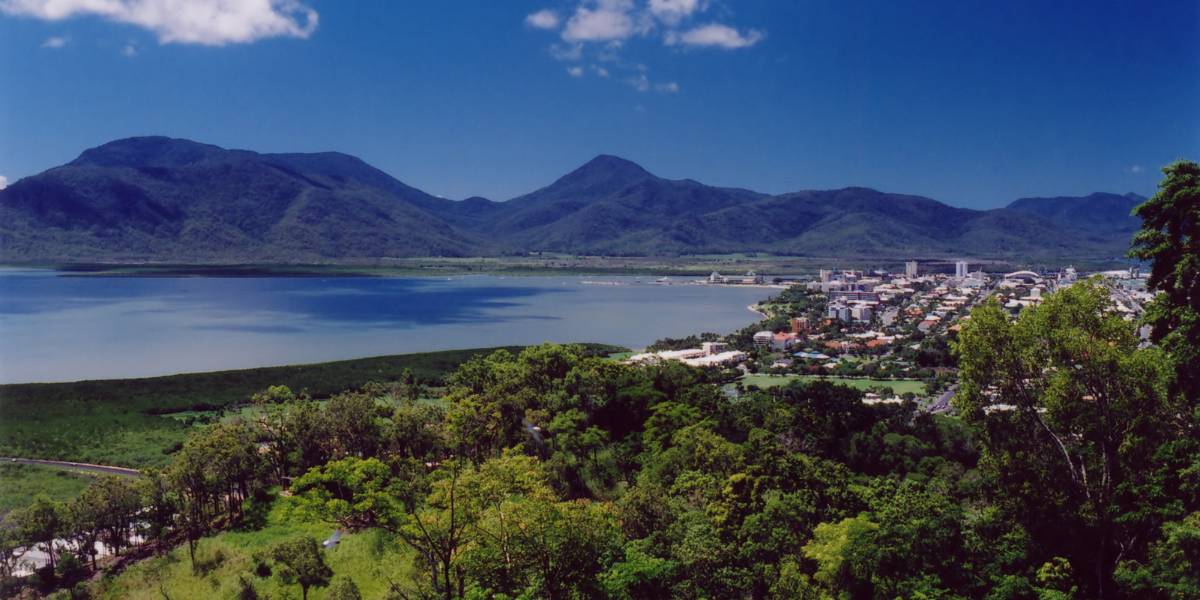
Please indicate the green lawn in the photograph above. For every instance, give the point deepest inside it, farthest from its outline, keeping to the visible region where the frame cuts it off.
(118, 422)
(899, 386)
(370, 558)
(20, 483)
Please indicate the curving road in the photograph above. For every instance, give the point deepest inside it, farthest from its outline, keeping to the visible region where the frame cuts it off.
(74, 466)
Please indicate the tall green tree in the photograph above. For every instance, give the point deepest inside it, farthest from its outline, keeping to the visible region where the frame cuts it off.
(1170, 240)
(118, 502)
(354, 493)
(300, 561)
(42, 523)
(159, 500)
(1089, 409)
(84, 523)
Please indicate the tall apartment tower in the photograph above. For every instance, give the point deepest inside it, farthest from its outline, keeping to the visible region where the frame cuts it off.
(960, 269)
(910, 269)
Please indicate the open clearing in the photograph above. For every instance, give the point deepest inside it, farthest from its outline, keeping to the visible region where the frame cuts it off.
(899, 386)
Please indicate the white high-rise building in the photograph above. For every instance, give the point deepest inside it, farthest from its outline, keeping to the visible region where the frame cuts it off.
(838, 311)
(960, 269)
(860, 312)
(910, 269)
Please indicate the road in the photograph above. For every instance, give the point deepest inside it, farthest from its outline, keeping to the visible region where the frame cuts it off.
(74, 466)
(942, 403)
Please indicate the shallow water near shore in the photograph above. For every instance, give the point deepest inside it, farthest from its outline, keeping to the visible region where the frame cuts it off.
(55, 328)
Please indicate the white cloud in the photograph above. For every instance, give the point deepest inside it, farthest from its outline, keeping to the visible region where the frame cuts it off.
(672, 12)
(542, 19)
(608, 20)
(715, 35)
(205, 22)
(55, 42)
(604, 32)
(1135, 170)
(3, 182)
(130, 50)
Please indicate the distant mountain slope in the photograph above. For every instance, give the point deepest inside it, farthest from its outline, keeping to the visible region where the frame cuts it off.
(165, 199)
(612, 206)
(1097, 212)
(865, 222)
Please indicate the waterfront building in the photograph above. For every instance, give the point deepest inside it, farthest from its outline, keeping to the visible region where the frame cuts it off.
(764, 339)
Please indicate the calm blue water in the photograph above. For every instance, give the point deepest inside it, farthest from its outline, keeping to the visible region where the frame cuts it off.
(55, 328)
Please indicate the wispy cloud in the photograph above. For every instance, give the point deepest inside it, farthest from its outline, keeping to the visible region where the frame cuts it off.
(55, 42)
(1135, 169)
(542, 19)
(600, 31)
(204, 22)
(614, 21)
(715, 35)
(641, 82)
(130, 50)
(571, 52)
(3, 182)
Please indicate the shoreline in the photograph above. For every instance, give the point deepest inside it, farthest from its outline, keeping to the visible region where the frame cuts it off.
(284, 370)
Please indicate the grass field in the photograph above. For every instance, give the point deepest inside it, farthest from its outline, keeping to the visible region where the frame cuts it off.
(20, 483)
(117, 422)
(370, 558)
(899, 386)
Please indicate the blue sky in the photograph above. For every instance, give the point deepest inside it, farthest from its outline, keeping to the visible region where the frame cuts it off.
(972, 103)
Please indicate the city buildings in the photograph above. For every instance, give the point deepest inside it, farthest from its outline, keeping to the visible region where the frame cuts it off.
(838, 312)
(861, 312)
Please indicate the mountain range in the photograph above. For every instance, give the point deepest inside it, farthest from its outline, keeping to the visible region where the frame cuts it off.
(173, 200)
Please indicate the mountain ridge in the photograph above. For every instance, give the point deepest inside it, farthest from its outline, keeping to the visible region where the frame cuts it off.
(167, 199)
